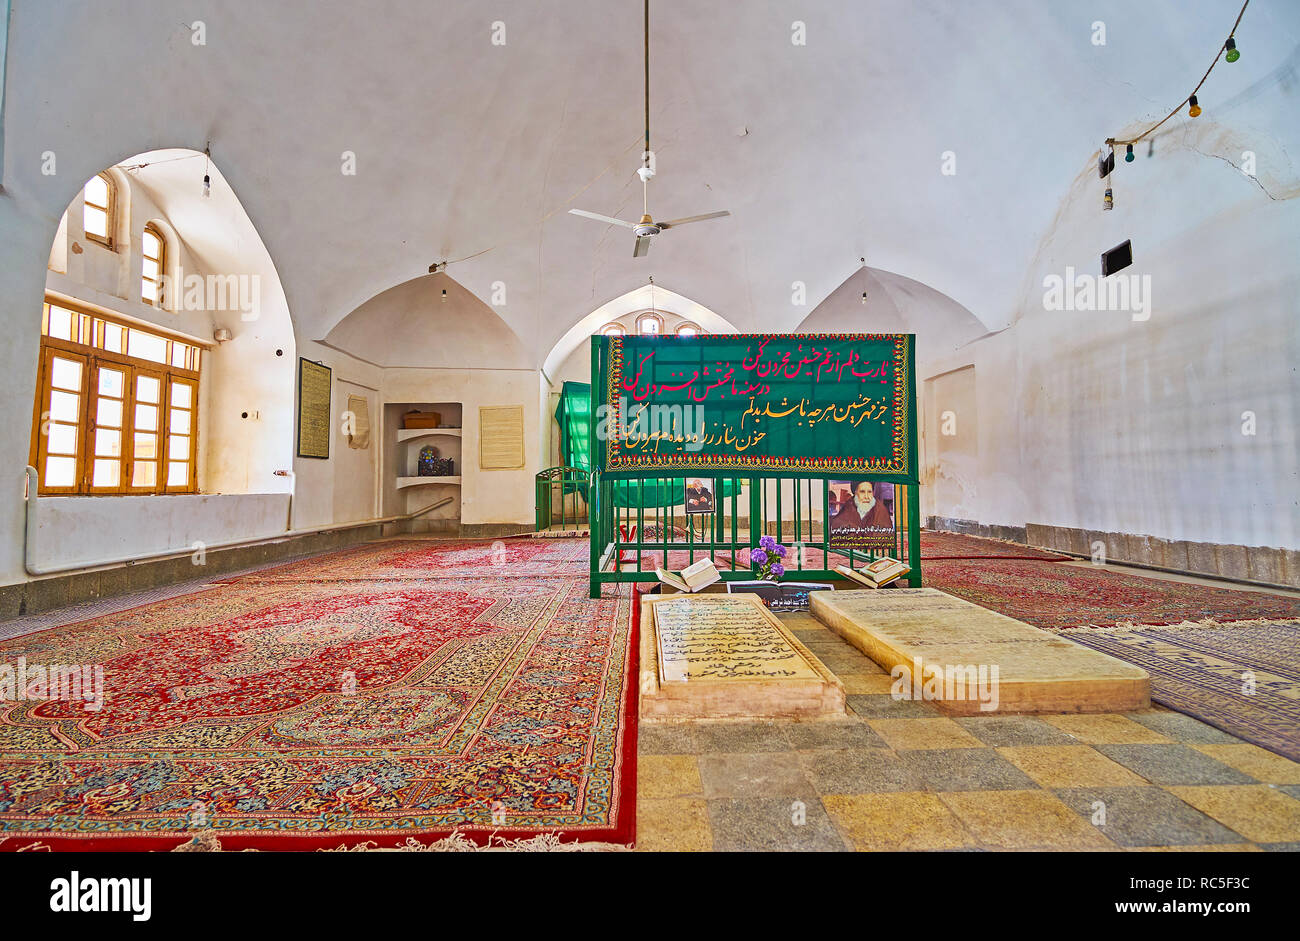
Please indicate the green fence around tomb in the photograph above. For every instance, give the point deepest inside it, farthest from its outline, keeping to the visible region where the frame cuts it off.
(778, 428)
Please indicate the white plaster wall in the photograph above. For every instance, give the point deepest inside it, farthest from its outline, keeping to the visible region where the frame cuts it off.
(487, 496)
(344, 487)
(94, 530)
(1091, 419)
(952, 446)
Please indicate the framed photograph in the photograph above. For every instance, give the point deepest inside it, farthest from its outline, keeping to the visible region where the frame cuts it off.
(861, 514)
(699, 495)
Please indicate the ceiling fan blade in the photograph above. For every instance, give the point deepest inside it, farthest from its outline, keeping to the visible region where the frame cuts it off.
(707, 215)
(599, 218)
(642, 246)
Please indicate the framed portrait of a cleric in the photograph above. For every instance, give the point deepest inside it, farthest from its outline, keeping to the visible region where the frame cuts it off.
(699, 495)
(862, 514)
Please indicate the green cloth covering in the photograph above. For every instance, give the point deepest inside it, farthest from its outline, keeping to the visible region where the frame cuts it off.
(573, 414)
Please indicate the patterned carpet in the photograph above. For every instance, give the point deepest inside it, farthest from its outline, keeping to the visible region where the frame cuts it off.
(942, 545)
(1054, 596)
(1201, 671)
(417, 694)
(397, 559)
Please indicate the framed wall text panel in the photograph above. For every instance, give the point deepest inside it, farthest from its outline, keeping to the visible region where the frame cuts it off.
(315, 382)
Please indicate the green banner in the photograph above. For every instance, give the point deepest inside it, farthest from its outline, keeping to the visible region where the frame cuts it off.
(807, 403)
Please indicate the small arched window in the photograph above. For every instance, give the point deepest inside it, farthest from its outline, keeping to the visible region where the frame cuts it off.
(98, 213)
(650, 325)
(154, 249)
(613, 330)
(688, 330)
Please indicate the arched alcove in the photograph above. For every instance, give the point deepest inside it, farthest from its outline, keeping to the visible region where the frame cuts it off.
(234, 419)
(429, 322)
(676, 307)
(895, 304)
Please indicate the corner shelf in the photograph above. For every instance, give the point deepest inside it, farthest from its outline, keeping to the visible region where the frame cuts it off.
(410, 434)
(404, 482)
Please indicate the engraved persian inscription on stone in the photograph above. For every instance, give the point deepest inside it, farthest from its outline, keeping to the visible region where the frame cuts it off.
(709, 639)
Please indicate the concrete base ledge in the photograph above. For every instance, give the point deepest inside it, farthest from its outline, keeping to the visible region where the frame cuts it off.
(1257, 565)
(1266, 566)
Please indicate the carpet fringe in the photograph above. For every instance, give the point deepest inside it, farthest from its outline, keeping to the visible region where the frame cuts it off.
(454, 842)
(457, 842)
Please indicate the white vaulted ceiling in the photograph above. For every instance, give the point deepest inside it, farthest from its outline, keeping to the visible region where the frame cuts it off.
(824, 153)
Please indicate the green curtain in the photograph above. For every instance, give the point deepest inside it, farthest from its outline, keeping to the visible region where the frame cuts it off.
(573, 415)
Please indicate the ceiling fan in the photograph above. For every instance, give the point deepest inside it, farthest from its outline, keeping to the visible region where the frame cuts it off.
(647, 228)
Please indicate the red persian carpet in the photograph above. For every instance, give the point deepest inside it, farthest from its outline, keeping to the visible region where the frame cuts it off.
(941, 545)
(427, 558)
(331, 702)
(1053, 596)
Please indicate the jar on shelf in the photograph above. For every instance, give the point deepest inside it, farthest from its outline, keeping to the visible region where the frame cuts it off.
(428, 461)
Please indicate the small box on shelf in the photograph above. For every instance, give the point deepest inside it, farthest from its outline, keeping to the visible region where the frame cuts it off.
(418, 419)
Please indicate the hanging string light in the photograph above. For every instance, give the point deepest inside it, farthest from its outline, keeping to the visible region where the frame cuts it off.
(1227, 51)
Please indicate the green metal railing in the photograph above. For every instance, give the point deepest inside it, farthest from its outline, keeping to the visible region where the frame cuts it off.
(561, 499)
(629, 539)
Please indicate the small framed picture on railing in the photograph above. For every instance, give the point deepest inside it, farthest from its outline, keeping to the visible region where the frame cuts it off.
(861, 515)
(699, 495)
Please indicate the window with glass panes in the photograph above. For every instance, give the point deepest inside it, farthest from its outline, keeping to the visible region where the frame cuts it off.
(116, 407)
(97, 210)
(154, 250)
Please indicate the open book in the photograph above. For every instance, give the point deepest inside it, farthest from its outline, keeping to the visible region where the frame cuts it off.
(878, 574)
(692, 578)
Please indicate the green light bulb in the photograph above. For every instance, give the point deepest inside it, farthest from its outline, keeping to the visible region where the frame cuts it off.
(1233, 55)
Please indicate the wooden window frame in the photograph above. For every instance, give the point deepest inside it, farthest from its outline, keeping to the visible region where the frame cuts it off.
(87, 479)
(156, 232)
(40, 436)
(165, 459)
(93, 356)
(110, 213)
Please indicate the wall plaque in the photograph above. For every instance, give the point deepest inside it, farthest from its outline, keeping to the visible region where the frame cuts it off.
(314, 384)
(500, 437)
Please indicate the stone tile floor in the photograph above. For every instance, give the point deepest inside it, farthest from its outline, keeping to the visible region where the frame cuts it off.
(898, 775)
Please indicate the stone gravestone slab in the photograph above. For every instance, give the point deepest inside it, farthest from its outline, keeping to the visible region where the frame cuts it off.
(969, 660)
(727, 656)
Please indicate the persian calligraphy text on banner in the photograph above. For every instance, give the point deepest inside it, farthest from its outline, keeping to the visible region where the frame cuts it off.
(785, 402)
